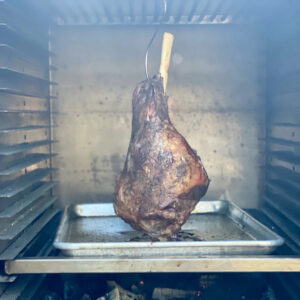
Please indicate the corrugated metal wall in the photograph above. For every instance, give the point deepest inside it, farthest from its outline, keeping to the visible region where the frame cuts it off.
(282, 197)
(25, 141)
(281, 201)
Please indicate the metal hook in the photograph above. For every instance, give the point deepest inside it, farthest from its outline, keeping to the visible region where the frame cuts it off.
(153, 37)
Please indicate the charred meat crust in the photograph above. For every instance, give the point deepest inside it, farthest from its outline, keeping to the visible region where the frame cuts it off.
(163, 177)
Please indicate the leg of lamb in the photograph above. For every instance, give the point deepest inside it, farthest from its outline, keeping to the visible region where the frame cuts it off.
(163, 177)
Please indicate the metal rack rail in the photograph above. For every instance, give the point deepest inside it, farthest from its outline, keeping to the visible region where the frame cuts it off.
(156, 264)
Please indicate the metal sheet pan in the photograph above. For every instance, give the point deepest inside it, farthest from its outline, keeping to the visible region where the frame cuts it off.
(214, 228)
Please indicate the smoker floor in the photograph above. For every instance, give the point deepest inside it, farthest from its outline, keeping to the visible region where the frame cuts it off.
(213, 227)
(226, 286)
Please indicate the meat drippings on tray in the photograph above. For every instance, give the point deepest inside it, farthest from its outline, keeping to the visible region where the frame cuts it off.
(163, 178)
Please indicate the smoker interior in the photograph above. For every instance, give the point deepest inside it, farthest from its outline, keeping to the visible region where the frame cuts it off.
(67, 72)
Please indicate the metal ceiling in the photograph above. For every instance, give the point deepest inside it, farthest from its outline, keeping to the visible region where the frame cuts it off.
(88, 12)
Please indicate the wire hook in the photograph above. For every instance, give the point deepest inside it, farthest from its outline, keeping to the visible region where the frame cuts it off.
(153, 37)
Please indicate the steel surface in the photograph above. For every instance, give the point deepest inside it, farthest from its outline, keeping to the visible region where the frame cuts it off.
(214, 228)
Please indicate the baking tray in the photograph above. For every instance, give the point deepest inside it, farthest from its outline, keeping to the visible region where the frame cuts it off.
(214, 228)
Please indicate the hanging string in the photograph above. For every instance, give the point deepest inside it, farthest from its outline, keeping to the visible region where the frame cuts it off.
(153, 37)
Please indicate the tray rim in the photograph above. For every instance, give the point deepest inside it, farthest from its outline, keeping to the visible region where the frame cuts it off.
(275, 241)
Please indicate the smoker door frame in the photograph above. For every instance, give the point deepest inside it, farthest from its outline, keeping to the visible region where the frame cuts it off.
(222, 264)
